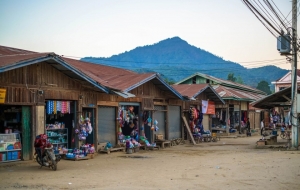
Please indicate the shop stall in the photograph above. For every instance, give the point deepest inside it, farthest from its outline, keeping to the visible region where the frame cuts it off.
(10, 133)
(60, 123)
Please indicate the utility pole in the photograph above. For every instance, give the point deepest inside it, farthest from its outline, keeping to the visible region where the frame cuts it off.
(294, 77)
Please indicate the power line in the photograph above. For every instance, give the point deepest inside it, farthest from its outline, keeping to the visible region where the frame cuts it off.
(259, 15)
(275, 13)
(274, 62)
(267, 13)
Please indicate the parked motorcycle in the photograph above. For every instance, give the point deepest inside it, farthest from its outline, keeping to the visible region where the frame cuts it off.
(44, 153)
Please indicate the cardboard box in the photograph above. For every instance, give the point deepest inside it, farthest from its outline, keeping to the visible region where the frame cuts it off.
(159, 137)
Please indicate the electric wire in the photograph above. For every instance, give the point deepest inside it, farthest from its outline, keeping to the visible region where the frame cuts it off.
(275, 13)
(281, 12)
(267, 13)
(261, 18)
(250, 63)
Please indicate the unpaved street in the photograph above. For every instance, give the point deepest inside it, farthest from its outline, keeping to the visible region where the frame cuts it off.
(227, 164)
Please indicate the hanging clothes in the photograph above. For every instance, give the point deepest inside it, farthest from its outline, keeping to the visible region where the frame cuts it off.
(64, 107)
(51, 106)
(54, 107)
(68, 107)
(58, 105)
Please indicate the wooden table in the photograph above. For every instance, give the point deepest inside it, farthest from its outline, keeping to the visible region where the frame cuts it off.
(162, 143)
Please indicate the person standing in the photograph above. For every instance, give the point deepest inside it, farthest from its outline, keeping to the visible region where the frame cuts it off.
(248, 125)
(262, 126)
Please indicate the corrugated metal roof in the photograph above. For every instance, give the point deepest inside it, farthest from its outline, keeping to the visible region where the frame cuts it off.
(4, 50)
(193, 90)
(99, 75)
(281, 98)
(6, 60)
(117, 78)
(10, 56)
(223, 82)
(236, 94)
(189, 90)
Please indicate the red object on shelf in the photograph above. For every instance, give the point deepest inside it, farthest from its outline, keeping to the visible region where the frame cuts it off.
(17, 145)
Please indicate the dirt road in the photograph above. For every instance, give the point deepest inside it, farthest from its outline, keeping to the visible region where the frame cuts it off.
(227, 164)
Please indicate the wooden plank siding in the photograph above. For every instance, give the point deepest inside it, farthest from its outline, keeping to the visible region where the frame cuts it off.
(22, 86)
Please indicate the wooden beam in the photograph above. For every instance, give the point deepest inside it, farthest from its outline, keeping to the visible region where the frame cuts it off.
(288, 99)
(107, 103)
(278, 103)
(160, 104)
(188, 129)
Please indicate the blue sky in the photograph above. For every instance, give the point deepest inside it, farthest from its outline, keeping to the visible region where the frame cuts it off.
(104, 28)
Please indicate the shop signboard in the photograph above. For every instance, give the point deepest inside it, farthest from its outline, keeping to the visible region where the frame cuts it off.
(2, 95)
(208, 107)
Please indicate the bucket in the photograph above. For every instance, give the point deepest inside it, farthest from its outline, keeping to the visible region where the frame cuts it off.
(274, 132)
(129, 151)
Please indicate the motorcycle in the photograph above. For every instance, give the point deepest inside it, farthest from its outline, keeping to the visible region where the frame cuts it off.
(46, 157)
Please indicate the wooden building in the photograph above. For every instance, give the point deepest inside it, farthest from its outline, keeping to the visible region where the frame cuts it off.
(197, 95)
(31, 83)
(236, 96)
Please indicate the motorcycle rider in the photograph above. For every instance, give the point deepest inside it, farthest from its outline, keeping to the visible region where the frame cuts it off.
(39, 144)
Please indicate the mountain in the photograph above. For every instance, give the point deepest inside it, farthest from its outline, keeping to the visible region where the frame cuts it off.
(175, 59)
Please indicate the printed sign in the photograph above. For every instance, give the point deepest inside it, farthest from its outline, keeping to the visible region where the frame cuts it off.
(2, 95)
(208, 107)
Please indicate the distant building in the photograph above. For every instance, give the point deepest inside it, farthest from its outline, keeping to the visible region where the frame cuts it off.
(237, 97)
(285, 81)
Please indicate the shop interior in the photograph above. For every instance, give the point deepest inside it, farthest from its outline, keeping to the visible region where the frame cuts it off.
(10, 133)
(219, 119)
(89, 113)
(60, 122)
(10, 119)
(129, 121)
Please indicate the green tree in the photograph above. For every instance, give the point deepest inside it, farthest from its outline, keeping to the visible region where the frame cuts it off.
(231, 77)
(264, 86)
(239, 80)
(169, 81)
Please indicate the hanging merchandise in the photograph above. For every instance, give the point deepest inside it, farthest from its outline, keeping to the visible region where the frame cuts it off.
(48, 107)
(58, 106)
(68, 107)
(63, 107)
(155, 125)
(149, 121)
(54, 107)
(85, 128)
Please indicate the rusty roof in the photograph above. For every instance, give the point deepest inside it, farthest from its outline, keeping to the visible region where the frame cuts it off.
(117, 78)
(4, 50)
(224, 82)
(112, 77)
(99, 75)
(8, 60)
(191, 91)
(237, 94)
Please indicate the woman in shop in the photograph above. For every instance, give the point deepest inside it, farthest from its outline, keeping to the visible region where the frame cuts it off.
(130, 123)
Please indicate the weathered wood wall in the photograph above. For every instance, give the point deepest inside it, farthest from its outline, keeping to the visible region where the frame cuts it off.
(23, 86)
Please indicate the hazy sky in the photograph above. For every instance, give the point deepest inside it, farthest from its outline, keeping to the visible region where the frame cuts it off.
(104, 28)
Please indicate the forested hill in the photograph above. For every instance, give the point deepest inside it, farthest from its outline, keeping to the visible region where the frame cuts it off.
(175, 59)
